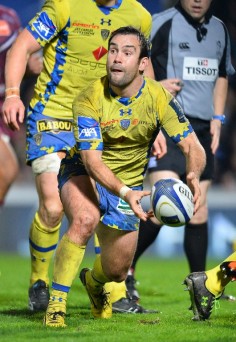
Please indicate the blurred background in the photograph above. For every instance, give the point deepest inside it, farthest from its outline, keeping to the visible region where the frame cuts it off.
(21, 201)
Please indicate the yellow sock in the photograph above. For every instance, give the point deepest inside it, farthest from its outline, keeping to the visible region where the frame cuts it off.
(215, 278)
(97, 248)
(96, 278)
(116, 290)
(43, 242)
(57, 301)
(68, 258)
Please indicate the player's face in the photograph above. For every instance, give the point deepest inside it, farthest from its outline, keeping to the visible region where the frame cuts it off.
(123, 64)
(196, 8)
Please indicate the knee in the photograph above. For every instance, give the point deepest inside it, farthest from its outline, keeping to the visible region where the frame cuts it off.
(117, 274)
(82, 227)
(51, 213)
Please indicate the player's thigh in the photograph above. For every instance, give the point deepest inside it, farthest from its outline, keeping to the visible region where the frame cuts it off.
(80, 203)
(117, 247)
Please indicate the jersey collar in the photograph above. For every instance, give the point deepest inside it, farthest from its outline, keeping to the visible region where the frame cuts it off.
(127, 100)
(107, 9)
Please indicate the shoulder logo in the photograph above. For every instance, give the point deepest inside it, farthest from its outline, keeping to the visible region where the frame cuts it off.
(88, 132)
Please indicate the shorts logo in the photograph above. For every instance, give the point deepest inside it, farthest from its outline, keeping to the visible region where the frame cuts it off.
(38, 139)
(124, 208)
(55, 126)
(125, 123)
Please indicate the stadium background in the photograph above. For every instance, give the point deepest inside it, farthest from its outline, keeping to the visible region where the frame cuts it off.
(21, 201)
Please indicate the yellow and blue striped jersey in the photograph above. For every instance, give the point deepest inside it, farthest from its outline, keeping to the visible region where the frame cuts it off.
(125, 128)
(74, 35)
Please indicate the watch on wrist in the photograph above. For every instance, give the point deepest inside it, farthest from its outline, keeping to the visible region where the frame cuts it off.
(219, 117)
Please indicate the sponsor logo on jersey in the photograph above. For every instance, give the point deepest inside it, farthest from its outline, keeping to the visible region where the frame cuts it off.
(125, 112)
(174, 104)
(184, 46)
(88, 129)
(99, 53)
(54, 125)
(87, 26)
(125, 123)
(44, 26)
(105, 22)
(84, 29)
(200, 69)
(109, 123)
(124, 207)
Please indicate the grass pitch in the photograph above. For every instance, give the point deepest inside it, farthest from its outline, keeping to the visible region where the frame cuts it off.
(160, 288)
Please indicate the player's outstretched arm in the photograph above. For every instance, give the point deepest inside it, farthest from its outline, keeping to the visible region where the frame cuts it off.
(99, 171)
(17, 58)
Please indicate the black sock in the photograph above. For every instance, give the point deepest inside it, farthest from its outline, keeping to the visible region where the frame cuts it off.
(195, 245)
(148, 232)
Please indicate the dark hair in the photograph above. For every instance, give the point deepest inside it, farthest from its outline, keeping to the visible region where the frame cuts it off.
(144, 43)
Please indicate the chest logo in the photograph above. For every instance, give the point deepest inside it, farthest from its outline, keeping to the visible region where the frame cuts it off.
(105, 34)
(125, 123)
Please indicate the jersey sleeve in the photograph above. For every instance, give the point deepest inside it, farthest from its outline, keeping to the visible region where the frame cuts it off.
(86, 126)
(173, 120)
(225, 67)
(50, 21)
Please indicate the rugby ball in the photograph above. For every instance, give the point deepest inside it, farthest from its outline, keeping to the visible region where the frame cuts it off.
(172, 202)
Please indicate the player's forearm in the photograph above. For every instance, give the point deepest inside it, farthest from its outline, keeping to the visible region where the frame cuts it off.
(15, 68)
(195, 155)
(220, 95)
(101, 173)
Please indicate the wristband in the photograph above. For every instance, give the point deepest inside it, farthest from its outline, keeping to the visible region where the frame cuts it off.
(8, 97)
(12, 91)
(123, 191)
(219, 117)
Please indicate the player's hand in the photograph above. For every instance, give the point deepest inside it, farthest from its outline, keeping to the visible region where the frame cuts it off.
(133, 197)
(194, 185)
(13, 112)
(159, 147)
(173, 85)
(215, 131)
